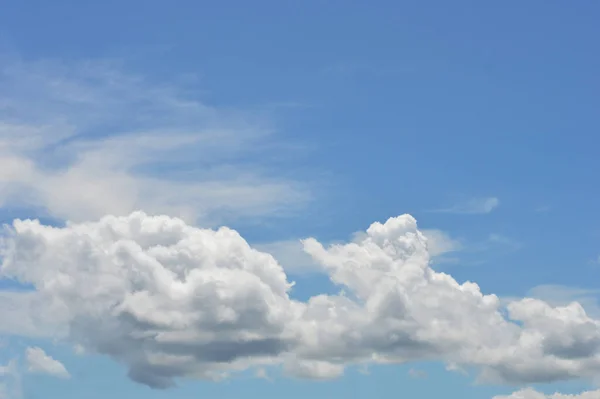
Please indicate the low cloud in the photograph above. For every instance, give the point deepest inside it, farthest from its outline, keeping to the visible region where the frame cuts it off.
(559, 295)
(170, 301)
(40, 363)
(295, 260)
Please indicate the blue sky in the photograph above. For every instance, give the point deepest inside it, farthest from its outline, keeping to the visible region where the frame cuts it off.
(286, 120)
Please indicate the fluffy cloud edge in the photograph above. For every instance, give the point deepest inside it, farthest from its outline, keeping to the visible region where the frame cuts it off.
(171, 301)
(39, 362)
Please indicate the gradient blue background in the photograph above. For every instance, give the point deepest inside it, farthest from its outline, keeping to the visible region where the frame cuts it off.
(404, 107)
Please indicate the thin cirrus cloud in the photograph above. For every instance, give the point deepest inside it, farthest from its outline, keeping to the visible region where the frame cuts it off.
(132, 295)
(159, 150)
(473, 206)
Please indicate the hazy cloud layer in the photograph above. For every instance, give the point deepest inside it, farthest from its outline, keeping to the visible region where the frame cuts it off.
(160, 150)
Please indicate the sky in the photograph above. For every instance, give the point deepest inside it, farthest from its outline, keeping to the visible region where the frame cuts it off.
(302, 199)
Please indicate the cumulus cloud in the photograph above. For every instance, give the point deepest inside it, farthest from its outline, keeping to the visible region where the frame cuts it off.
(533, 394)
(39, 362)
(295, 260)
(558, 295)
(159, 149)
(473, 206)
(162, 297)
(169, 301)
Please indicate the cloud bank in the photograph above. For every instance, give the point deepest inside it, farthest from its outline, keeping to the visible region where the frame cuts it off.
(170, 300)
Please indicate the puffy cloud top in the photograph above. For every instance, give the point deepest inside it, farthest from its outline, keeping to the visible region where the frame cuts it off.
(163, 297)
(170, 300)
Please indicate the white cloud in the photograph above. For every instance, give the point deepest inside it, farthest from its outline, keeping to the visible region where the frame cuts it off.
(559, 295)
(20, 313)
(313, 369)
(169, 300)
(81, 141)
(39, 362)
(530, 393)
(291, 255)
(165, 298)
(473, 206)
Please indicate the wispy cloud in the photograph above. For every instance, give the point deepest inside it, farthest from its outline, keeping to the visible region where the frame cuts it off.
(440, 242)
(472, 206)
(594, 261)
(10, 381)
(446, 249)
(80, 141)
(501, 241)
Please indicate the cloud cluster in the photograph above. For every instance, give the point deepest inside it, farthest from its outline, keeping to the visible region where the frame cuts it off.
(162, 297)
(170, 300)
(81, 141)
